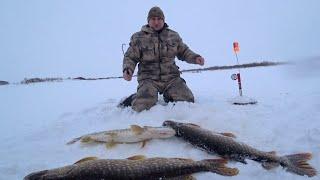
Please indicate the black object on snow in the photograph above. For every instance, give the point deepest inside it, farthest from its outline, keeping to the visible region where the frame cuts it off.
(127, 101)
(4, 82)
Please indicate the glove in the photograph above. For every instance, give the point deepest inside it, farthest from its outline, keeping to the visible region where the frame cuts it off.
(127, 74)
(200, 60)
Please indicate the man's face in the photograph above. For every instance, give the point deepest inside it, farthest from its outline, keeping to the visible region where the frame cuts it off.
(156, 23)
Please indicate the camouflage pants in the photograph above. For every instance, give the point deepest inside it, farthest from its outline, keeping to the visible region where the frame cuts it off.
(147, 93)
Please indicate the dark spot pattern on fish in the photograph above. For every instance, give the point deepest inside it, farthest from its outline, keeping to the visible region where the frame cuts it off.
(152, 168)
(228, 147)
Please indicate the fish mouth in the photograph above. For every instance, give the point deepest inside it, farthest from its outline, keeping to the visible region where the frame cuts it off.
(35, 175)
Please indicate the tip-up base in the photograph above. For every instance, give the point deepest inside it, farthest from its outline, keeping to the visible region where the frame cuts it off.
(243, 100)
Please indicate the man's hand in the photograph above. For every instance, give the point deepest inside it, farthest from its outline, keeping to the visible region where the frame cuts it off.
(200, 60)
(127, 74)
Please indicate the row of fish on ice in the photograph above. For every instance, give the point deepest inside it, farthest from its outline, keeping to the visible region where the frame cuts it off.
(139, 167)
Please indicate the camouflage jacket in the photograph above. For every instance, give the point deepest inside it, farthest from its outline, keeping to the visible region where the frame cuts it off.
(155, 53)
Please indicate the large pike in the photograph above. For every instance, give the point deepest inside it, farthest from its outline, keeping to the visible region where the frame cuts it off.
(229, 148)
(136, 167)
(132, 135)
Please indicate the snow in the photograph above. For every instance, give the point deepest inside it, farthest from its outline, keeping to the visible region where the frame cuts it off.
(82, 38)
(38, 120)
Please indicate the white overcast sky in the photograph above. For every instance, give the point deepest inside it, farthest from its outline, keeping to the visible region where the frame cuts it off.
(58, 38)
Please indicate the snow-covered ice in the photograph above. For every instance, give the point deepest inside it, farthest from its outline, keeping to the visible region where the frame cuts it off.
(38, 119)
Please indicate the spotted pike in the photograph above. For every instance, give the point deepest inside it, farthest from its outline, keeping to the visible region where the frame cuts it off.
(132, 135)
(136, 167)
(228, 147)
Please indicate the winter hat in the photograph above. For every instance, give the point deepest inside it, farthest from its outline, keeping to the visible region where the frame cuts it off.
(155, 12)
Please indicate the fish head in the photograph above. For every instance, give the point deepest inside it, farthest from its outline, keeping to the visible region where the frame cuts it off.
(170, 123)
(36, 175)
(179, 127)
(173, 124)
(57, 173)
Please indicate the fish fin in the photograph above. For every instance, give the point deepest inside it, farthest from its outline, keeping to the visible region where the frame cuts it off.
(111, 144)
(228, 134)
(86, 139)
(144, 143)
(218, 166)
(91, 158)
(73, 140)
(136, 129)
(270, 165)
(297, 163)
(137, 157)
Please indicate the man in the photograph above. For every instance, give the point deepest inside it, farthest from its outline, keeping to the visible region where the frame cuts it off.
(154, 49)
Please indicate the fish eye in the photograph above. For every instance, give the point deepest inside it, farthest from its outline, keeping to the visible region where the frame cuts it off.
(168, 123)
(165, 123)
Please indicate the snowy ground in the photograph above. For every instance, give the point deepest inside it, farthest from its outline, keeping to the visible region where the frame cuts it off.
(38, 119)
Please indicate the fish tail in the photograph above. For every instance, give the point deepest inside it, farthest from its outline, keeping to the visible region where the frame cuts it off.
(218, 166)
(73, 140)
(297, 163)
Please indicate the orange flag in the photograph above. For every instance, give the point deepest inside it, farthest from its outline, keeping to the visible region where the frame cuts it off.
(236, 47)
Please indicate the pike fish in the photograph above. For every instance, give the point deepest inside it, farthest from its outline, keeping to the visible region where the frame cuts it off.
(136, 167)
(132, 135)
(226, 146)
